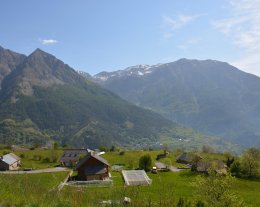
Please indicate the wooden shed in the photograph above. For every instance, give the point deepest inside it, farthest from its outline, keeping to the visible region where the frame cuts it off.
(92, 167)
(10, 162)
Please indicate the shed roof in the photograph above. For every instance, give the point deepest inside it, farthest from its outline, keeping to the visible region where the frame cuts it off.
(136, 177)
(15, 156)
(95, 170)
(10, 158)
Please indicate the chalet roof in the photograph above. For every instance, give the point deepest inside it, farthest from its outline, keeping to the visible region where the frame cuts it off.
(95, 170)
(186, 157)
(204, 165)
(10, 158)
(72, 154)
(92, 155)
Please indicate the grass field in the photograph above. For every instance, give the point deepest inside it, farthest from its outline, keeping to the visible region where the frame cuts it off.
(19, 190)
(36, 158)
(166, 188)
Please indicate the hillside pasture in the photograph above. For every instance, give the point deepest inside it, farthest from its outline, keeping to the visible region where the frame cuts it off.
(165, 190)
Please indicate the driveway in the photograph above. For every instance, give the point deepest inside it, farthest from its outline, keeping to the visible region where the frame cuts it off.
(47, 170)
(161, 165)
(174, 169)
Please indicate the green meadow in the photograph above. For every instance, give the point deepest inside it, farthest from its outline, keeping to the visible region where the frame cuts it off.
(166, 188)
(38, 158)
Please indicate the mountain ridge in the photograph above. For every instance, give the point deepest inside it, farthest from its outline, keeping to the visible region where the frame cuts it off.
(9, 60)
(44, 99)
(211, 96)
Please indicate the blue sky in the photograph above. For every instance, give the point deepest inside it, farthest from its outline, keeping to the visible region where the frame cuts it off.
(100, 35)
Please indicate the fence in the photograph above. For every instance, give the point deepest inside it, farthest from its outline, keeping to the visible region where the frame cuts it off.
(91, 183)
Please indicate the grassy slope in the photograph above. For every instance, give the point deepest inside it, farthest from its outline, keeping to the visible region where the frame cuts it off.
(165, 190)
(20, 190)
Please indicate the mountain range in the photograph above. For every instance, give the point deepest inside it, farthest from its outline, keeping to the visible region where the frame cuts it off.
(211, 96)
(44, 99)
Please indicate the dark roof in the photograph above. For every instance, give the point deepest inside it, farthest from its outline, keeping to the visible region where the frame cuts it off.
(72, 154)
(187, 157)
(91, 155)
(204, 165)
(95, 170)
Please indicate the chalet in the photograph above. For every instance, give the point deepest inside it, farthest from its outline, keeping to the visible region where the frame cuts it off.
(218, 166)
(10, 162)
(71, 157)
(92, 167)
(187, 158)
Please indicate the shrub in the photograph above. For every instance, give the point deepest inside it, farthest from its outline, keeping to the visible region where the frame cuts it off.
(56, 145)
(121, 152)
(235, 168)
(6, 152)
(145, 162)
(47, 160)
(103, 149)
(37, 157)
(113, 148)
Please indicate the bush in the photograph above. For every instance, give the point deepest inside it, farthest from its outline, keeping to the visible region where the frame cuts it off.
(235, 168)
(145, 162)
(103, 149)
(54, 159)
(47, 160)
(199, 204)
(37, 157)
(56, 145)
(250, 163)
(113, 148)
(6, 152)
(121, 152)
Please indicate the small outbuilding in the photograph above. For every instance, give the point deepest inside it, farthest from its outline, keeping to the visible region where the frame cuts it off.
(136, 177)
(93, 167)
(10, 162)
(71, 157)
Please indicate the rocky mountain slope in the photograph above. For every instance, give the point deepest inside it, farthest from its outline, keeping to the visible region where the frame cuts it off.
(210, 96)
(8, 62)
(42, 99)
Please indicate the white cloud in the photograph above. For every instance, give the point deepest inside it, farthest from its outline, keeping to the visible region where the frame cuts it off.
(189, 43)
(170, 24)
(178, 22)
(243, 24)
(249, 63)
(243, 28)
(48, 41)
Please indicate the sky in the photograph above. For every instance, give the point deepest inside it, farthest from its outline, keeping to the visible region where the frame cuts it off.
(102, 35)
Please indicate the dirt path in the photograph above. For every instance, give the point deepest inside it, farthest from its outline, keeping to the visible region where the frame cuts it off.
(47, 170)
